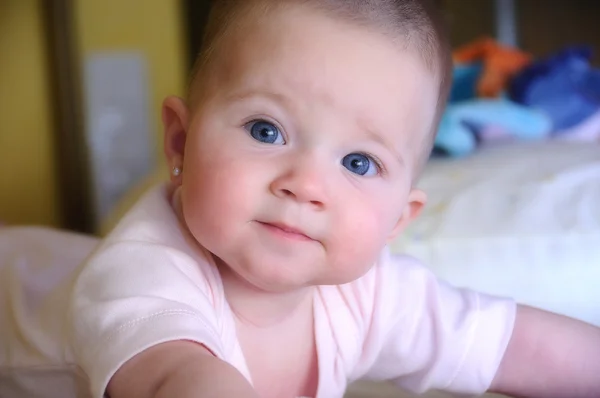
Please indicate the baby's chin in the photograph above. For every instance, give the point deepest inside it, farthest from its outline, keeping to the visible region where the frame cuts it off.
(275, 279)
(294, 266)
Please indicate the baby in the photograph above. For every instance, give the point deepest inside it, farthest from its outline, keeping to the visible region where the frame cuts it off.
(261, 269)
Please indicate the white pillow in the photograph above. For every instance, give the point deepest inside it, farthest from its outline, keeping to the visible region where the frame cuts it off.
(519, 220)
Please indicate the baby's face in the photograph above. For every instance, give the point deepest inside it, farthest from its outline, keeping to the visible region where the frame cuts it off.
(298, 168)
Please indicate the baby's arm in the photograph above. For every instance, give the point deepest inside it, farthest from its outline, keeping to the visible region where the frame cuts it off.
(550, 356)
(178, 369)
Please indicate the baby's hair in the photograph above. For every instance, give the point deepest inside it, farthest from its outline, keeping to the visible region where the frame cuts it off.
(414, 24)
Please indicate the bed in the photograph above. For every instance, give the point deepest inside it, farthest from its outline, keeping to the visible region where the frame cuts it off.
(513, 219)
(519, 220)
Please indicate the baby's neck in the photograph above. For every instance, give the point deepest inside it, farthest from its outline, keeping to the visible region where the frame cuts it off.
(257, 308)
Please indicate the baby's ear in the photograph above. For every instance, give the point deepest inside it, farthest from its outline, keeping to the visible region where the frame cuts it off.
(414, 205)
(175, 121)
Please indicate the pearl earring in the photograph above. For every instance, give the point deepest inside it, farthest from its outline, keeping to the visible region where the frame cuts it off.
(176, 171)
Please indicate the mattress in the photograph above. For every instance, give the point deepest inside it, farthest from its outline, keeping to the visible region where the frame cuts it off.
(368, 389)
(518, 220)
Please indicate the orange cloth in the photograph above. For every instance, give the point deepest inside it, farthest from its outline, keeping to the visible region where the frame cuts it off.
(500, 64)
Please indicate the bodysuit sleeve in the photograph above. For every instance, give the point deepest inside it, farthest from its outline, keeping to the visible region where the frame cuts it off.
(132, 296)
(138, 290)
(425, 334)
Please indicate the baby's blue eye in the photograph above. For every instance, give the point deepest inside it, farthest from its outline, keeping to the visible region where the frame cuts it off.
(360, 164)
(265, 132)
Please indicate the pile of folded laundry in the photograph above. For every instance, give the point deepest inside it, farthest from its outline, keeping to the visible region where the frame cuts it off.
(501, 93)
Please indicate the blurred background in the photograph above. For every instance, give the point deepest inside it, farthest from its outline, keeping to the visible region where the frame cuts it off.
(81, 84)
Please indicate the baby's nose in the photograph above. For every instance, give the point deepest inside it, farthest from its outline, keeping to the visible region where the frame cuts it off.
(304, 182)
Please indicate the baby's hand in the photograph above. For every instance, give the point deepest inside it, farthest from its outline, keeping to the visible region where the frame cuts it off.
(178, 369)
(550, 356)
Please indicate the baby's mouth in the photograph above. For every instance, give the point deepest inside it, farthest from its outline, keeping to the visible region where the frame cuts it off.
(285, 230)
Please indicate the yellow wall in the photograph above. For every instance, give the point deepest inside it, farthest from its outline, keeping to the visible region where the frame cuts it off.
(28, 192)
(152, 26)
(28, 185)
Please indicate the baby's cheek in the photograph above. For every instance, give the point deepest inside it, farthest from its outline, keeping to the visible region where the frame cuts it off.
(359, 242)
(203, 212)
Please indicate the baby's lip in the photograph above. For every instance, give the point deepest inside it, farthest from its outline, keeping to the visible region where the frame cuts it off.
(287, 228)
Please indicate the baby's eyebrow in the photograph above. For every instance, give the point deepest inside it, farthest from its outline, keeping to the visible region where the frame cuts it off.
(380, 139)
(252, 94)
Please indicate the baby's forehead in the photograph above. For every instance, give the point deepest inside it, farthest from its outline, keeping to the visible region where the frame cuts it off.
(223, 44)
(333, 59)
(238, 35)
